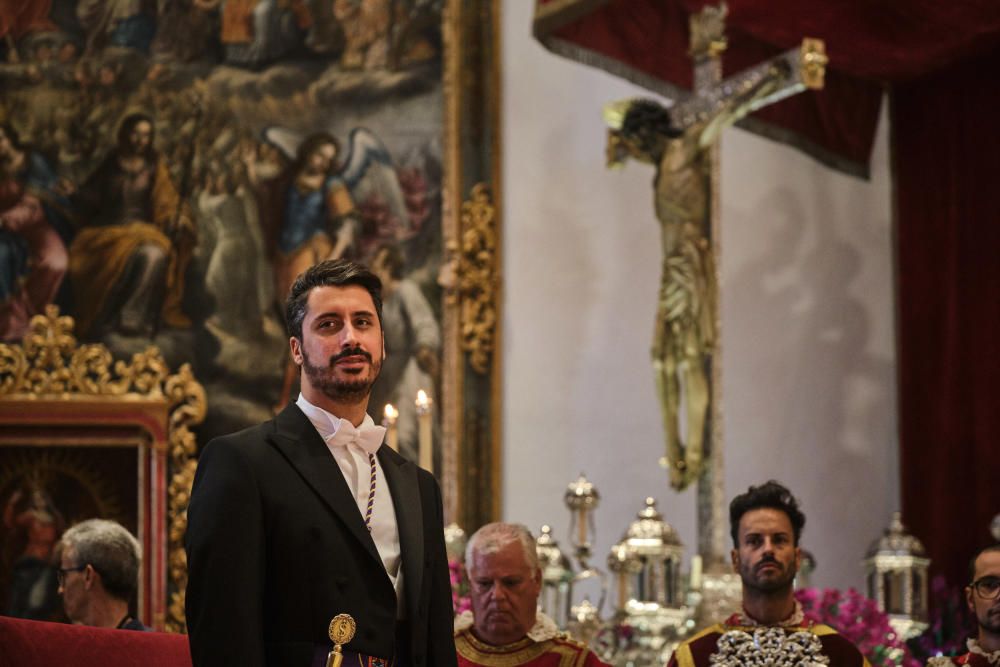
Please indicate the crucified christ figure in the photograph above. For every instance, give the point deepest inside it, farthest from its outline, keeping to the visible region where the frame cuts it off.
(677, 141)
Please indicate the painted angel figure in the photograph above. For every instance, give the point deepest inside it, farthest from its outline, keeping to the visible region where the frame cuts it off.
(685, 331)
(314, 207)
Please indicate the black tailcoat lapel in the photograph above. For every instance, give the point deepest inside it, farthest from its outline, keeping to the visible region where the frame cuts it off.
(401, 476)
(299, 442)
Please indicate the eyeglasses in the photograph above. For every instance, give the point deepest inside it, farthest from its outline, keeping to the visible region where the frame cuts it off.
(63, 571)
(987, 588)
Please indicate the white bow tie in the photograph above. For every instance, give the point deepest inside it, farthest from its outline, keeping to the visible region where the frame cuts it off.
(368, 436)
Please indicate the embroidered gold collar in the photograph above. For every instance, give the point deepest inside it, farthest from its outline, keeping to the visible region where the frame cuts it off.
(508, 655)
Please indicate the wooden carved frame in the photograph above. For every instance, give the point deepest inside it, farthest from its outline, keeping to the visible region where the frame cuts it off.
(471, 231)
(56, 393)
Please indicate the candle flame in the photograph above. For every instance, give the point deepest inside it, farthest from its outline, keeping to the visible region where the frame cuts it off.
(422, 400)
(391, 413)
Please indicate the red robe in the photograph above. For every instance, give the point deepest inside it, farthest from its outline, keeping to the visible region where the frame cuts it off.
(976, 659)
(560, 651)
(18, 18)
(696, 651)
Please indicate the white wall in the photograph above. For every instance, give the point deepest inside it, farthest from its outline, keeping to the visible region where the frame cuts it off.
(807, 317)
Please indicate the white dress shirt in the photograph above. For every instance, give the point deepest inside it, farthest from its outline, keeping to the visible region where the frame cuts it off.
(354, 463)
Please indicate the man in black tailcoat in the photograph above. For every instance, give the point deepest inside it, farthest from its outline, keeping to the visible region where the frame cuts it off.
(309, 515)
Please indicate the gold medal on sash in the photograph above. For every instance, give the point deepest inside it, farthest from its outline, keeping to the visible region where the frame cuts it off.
(342, 629)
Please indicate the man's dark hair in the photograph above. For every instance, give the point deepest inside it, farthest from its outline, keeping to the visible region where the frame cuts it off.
(771, 495)
(125, 131)
(972, 563)
(330, 273)
(310, 145)
(646, 122)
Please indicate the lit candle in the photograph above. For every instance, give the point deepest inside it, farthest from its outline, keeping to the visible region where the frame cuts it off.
(389, 421)
(695, 573)
(424, 422)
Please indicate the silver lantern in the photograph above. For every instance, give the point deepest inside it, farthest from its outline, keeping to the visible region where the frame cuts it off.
(803, 579)
(651, 616)
(584, 621)
(557, 578)
(896, 573)
(581, 499)
(655, 545)
(589, 583)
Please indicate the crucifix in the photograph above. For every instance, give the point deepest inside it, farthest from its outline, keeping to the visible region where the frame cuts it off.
(681, 142)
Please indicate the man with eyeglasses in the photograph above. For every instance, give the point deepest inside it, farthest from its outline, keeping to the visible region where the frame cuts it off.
(99, 574)
(983, 597)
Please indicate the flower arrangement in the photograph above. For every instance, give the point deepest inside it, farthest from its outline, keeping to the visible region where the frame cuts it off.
(459, 586)
(950, 623)
(860, 620)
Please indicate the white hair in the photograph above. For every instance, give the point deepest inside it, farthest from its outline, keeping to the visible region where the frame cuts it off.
(111, 550)
(493, 537)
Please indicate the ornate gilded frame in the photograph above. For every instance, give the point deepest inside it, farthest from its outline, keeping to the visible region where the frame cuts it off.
(56, 393)
(471, 230)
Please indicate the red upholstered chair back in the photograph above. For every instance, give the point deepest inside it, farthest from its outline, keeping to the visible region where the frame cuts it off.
(38, 644)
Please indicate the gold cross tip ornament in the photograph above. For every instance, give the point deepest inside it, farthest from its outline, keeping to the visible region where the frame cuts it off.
(813, 62)
(342, 629)
(708, 31)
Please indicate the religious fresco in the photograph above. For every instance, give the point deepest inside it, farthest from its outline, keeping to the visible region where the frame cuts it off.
(166, 169)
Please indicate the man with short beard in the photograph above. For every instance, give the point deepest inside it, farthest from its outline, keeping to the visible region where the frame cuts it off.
(308, 516)
(983, 597)
(766, 524)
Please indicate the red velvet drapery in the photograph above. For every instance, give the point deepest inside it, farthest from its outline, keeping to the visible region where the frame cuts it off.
(647, 41)
(946, 159)
(938, 60)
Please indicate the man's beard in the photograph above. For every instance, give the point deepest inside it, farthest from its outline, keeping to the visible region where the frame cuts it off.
(990, 622)
(342, 391)
(130, 150)
(782, 582)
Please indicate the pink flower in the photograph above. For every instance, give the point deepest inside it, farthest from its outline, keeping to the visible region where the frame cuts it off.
(859, 620)
(459, 586)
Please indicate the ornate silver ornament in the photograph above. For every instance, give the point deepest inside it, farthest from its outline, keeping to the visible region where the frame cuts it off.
(768, 647)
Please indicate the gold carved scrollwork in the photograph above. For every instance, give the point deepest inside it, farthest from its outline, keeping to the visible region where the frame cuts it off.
(49, 364)
(474, 284)
(187, 408)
